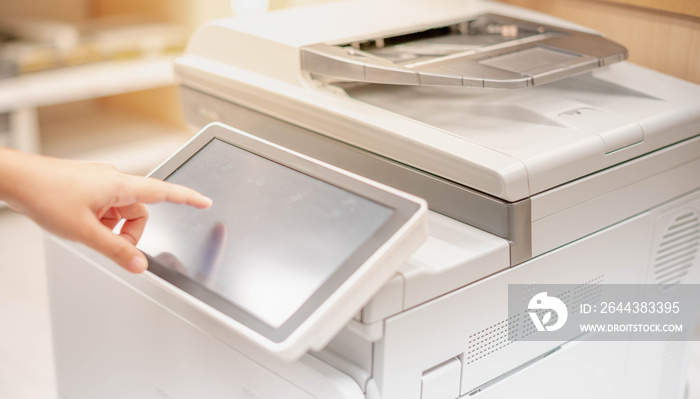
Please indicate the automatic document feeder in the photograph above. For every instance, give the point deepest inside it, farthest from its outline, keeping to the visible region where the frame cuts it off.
(326, 131)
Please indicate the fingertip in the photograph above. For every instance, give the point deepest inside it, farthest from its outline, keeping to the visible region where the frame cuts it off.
(153, 191)
(198, 200)
(204, 202)
(138, 264)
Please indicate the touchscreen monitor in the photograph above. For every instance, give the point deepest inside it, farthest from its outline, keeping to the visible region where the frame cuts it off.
(272, 237)
(284, 233)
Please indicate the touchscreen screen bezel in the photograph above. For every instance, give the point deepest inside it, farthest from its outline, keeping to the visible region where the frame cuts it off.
(403, 210)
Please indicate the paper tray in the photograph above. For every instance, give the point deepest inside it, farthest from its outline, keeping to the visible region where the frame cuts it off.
(490, 51)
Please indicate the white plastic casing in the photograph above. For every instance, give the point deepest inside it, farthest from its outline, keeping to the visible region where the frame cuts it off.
(511, 144)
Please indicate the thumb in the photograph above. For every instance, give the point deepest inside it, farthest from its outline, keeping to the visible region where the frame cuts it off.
(115, 247)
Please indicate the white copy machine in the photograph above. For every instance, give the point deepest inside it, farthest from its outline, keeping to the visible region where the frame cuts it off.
(381, 172)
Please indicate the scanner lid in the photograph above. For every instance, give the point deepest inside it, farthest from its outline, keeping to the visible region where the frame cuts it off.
(490, 51)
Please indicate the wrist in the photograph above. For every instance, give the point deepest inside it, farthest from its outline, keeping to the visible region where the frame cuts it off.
(14, 168)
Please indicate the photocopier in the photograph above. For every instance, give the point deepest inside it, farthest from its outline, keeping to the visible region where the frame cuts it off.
(542, 155)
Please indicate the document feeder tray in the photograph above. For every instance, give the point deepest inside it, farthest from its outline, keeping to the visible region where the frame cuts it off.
(490, 51)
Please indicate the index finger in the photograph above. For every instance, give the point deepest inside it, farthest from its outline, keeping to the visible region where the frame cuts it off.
(153, 191)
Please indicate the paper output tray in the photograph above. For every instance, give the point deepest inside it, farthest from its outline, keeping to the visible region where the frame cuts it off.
(490, 51)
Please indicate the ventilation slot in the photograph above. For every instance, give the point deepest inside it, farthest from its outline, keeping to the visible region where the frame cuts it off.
(489, 340)
(677, 251)
(500, 335)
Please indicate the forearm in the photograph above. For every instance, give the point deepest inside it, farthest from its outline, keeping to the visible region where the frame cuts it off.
(16, 174)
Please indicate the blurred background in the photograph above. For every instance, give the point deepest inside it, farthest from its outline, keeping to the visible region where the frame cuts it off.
(93, 80)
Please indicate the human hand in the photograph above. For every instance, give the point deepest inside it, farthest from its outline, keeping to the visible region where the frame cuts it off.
(84, 201)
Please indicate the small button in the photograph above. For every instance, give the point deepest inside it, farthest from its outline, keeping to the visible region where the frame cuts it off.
(442, 381)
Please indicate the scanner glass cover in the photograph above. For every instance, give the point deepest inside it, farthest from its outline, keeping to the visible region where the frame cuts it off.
(271, 239)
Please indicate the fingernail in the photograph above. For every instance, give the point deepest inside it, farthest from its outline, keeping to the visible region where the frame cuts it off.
(138, 264)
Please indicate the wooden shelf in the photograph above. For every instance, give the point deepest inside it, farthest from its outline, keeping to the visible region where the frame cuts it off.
(82, 82)
(130, 141)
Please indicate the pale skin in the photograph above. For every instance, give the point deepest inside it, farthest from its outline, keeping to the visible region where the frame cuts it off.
(83, 201)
